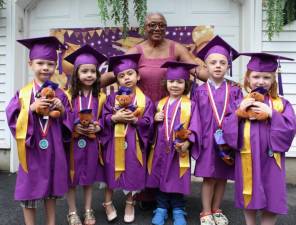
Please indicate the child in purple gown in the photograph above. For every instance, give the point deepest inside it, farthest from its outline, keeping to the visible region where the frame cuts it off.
(215, 99)
(260, 184)
(42, 173)
(176, 139)
(128, 120)
(85, 168)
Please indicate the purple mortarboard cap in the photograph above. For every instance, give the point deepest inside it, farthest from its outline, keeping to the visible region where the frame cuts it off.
(260, 90)
(85, 111)
(120, 63)
(49, 83)
(179, 127)
(218, 45)
(86, 55)
(44, 48)
(124, 90)
(178, 70)
(265, 62)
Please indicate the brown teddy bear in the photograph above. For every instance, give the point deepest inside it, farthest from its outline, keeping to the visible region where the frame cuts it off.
(181, 135)
(258, 95)
(47, 91)
(124, 98)
(85, 119)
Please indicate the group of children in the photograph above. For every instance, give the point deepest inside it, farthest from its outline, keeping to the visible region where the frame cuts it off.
(127, 142)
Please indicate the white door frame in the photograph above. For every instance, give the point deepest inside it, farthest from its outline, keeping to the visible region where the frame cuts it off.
(251, 23)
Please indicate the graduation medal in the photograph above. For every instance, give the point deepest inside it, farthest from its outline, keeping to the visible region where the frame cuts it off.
(81, 143)
(43, 144)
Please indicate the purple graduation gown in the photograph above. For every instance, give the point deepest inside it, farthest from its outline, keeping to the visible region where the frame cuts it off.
(86, 160)
(165, 173)
(134, 176)
(47, 168)
(208, 163)
(269, 184)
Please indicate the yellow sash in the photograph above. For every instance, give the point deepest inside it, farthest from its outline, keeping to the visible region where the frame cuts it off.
(119, 138)
(184, 160)
(22, 124)
(246, 155)
(101, 101)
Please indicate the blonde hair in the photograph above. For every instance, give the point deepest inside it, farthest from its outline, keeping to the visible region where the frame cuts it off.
(273, 89)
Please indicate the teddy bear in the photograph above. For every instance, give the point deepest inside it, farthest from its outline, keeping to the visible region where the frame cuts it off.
(47, 91)
(224, 151)
(125, 100)
(181, 135)
(85, 119)
(258, 95)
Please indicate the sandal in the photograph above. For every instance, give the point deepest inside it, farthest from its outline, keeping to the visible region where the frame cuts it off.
(73, 219)
(206, 218)
(89, 217)
(129, 218)
(219, 217)
(113, 215)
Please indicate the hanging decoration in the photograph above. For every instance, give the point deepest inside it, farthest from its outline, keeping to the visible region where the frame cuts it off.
(118, 11)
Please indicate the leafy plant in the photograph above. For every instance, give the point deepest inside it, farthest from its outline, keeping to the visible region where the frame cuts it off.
(2, 3)
(118, 11)
(279, 13)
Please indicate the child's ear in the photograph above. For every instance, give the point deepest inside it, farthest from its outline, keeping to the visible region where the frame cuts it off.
(138, 77)
(30, 63)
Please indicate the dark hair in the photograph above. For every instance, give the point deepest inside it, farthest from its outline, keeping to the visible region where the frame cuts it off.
(76, 85)
(188, 84)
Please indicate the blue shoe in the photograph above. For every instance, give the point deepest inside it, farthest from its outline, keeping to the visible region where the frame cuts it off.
(160, 216)
(179, 216)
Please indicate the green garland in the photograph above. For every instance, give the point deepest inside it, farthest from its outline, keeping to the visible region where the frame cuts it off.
(2, 3)
(279, 13)
(118, 11)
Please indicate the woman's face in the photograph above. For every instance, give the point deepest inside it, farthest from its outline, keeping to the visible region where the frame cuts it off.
(260, 79)
(155, 28)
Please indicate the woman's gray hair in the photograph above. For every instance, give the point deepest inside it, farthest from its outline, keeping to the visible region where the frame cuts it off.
(152, 14)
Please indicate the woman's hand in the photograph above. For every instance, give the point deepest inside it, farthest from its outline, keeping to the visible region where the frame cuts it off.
(159, 116)
(262, 107)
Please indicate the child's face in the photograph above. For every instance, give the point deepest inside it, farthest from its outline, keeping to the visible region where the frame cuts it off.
(43, 69)
(217, 65)
(128, 78)
(260, 79)
(87, 74)
(176, 88)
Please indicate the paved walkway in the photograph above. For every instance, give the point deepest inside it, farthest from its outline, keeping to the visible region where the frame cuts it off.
(11, 213)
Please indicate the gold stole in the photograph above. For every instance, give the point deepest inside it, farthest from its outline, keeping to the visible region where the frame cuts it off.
(101, 101)
(184, 160)
(246, 155)
(22, 124)
(119, 138)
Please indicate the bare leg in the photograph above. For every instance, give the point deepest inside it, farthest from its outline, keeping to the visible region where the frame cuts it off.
(29, 216)
(71, 199)
(250, 216)
(108, 198)
(87, 196)
(207, 193)
(129, 207)
(218, 193)
(50, 205)
(268, 218)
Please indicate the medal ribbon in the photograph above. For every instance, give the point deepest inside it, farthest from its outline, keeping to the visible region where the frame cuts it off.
(120, 131)
(246, 154)
(90, 97)
(169, 126)
(218, 119)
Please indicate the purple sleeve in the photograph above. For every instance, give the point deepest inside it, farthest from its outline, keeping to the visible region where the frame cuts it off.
(230, 123)
(106, 122)
(144, 125)
(282, 128)
(12, 113)
(195, 127)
